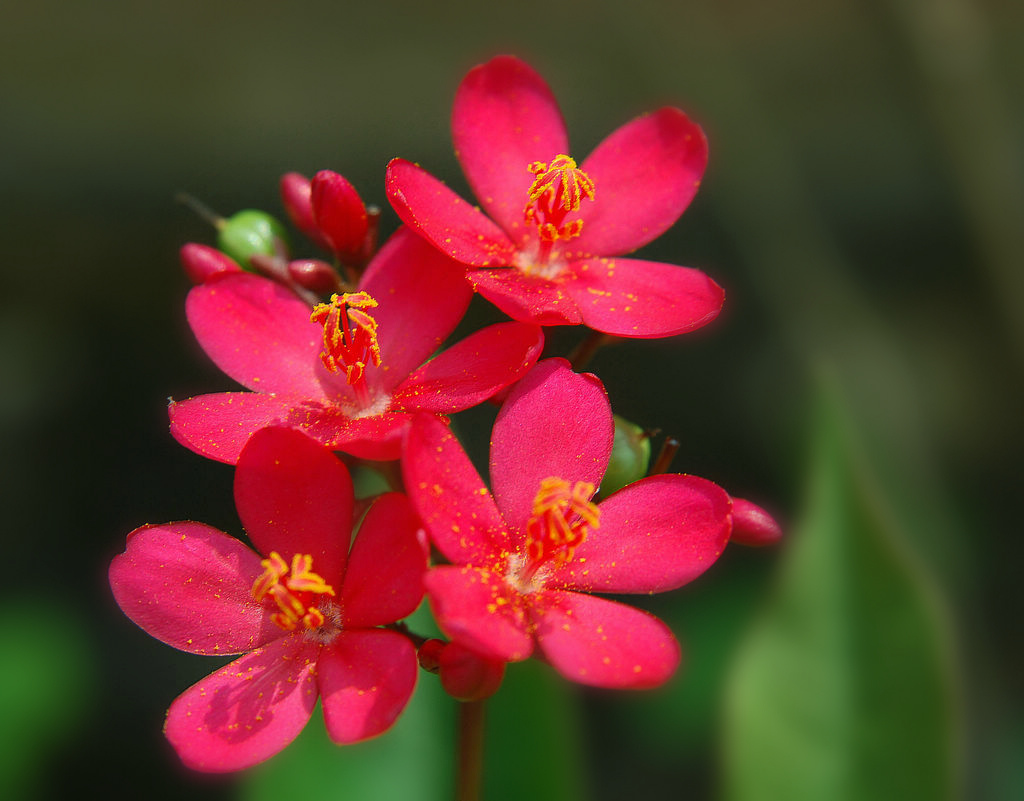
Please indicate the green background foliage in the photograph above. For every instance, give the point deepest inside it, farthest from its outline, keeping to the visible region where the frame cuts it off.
(843, 688)
(862, 209)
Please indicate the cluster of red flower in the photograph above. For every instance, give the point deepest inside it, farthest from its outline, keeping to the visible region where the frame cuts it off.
(315, 613)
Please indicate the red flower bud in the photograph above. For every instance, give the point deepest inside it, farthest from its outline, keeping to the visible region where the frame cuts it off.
(752, 525)
(315, 275)
(429, 655)
(340, 215)
(297, 197)
(467, 676)
(201, 263)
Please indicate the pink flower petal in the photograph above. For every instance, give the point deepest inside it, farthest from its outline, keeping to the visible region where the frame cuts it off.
(526, 298)
(554, 424)
(603, 643)
(219, 425)
(258, 333)
(248, 710)
(201, 263)
(645, 175)
(190, 586)
(295, 497)
(644, 299)
(422, 295)
(505, 118)
(655, 535)
(377, 437)
(473, 370)
(450, 497)
(384, 579)
(476, 608)
(454, 226)
(366, 679)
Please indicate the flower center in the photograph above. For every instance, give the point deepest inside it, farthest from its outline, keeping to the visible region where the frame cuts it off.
(562, 517)
(350, 337)
(558, 188)
(297, 592)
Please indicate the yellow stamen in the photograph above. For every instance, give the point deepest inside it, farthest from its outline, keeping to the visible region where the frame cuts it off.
(274, 567)
(562, 517)
(289, 592)
(558, 188)
(313, 619)
(303, 579)
(350, 334)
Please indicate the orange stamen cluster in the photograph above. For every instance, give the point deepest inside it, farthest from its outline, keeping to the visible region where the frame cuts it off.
(559, 188)
(292, 590)
(350, 334)
(561, 518)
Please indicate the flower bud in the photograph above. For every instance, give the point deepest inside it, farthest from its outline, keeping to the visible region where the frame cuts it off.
(340, 215)
(752, 525)
(372, 234)
(297, 197)
(429, 655)
(251, 232)
(631, 454)
(201, 262)
(467, 676)
(315, 275)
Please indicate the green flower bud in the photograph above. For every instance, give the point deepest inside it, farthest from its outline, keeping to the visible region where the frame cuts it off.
(631, 455)
(251, 232)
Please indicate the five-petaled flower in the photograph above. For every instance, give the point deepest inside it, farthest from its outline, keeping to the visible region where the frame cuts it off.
(354, 371)
(557, 227)
(306, 616)
(525, 557)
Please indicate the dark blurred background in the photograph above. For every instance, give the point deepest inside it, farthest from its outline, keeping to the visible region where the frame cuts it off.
(863, 208)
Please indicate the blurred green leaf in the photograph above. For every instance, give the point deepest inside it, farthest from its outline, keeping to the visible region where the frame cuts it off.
(46, 681)
(414, 760)
(674, 721)
(843, 690)
(533, 717)
(533, 748)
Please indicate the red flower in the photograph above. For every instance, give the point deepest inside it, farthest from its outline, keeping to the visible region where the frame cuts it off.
(305, 617)
(524, 558)
(330, 212)
(559, 226)
(354, 374)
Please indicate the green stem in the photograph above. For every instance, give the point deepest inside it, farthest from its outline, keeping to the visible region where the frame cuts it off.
(470, 766)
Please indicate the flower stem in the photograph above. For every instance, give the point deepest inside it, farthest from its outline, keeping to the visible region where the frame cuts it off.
(470, 766)
(201, 209)
(668, 451)
(584, 352)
